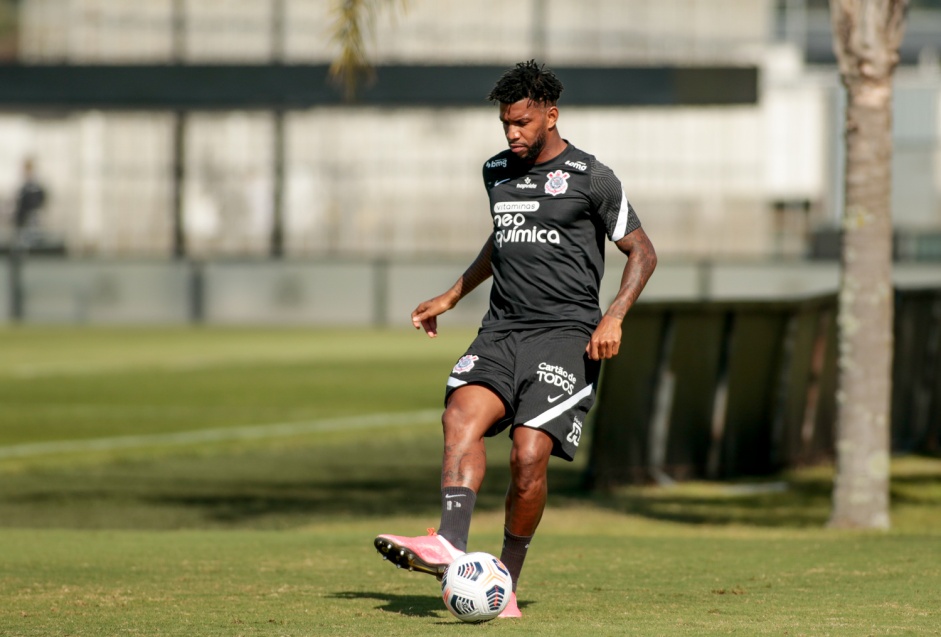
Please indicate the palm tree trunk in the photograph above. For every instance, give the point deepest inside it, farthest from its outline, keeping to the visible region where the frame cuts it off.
(866, 39)
(861, 490)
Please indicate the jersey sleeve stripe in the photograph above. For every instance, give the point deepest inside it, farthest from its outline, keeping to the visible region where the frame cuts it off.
(620, 227)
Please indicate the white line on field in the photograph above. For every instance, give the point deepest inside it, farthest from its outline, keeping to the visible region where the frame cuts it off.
(251, 432)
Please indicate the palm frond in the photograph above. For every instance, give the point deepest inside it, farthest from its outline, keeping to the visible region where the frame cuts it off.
(353, 26)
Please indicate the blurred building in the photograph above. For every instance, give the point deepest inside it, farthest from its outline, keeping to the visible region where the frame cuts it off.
(741, 179)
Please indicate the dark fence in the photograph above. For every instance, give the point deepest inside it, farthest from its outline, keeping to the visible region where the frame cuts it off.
(724, 389)
(297, 86)
(916, 372)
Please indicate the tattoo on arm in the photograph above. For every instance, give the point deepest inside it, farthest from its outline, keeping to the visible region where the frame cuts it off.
(641, 262)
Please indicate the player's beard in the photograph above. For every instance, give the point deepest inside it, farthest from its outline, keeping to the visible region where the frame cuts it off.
(532, 152)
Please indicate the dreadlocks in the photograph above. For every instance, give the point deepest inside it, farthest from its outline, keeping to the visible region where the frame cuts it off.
(527, 80)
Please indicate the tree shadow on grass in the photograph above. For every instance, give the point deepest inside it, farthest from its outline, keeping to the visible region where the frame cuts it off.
(767, 504)
(376, 476)
(147, 501)
(798, 499)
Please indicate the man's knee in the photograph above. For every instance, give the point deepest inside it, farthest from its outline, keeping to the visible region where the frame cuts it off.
(530, 455)
(471, 411)
(458, 421)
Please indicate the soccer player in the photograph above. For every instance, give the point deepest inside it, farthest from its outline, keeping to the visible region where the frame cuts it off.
(534, 364)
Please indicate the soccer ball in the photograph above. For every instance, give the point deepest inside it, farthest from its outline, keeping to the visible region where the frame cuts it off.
(476, 587)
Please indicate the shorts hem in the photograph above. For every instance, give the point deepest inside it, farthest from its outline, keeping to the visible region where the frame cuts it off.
(558, 449)
(501, 424)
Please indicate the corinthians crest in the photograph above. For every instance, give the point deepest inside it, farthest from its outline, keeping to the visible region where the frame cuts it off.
(558, 183)
(465, 364)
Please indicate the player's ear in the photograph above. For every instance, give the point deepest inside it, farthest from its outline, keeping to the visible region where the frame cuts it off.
(552, 116)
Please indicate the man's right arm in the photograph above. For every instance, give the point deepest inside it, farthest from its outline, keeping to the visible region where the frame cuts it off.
(426, 314)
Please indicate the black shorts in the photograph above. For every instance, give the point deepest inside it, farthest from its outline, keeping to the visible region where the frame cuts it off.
(543, 376)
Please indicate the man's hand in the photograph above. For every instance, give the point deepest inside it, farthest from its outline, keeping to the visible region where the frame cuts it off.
(606, 340)
(426, 314)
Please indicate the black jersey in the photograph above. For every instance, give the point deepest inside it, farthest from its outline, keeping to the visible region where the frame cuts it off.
(549, 226)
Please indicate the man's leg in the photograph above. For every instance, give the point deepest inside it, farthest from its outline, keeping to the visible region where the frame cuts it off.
(526, 497)
(471, 411)
(525, 501)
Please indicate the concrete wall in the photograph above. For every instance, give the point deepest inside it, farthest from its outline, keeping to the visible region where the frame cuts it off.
(96, 292)
(355, 293)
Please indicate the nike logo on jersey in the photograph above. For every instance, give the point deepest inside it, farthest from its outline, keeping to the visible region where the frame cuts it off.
(552, 399)
(502, 181)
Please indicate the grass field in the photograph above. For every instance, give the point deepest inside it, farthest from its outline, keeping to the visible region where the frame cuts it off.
(229, 482)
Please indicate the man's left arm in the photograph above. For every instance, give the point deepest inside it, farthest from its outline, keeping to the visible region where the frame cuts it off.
(641, 261)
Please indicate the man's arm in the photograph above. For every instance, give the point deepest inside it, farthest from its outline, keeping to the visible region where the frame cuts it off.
(426, 314)
(641, 261)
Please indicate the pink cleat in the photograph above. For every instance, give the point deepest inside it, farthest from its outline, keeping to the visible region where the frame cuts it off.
(512, 611)
(426, 554)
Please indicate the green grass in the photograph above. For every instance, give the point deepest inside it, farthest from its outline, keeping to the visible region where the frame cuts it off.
(274, 536)
(326, 580)
(62, 384)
